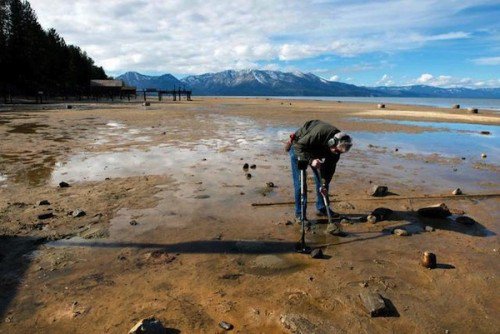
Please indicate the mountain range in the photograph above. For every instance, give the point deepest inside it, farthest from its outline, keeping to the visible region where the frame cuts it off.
(276, 83)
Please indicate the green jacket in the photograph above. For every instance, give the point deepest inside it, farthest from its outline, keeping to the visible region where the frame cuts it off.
(311, 141)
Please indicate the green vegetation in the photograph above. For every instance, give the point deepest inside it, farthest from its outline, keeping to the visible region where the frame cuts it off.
(33, 60)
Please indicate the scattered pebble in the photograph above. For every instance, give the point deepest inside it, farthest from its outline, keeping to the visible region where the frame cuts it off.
(63, 184)
(45, 216)
(78, 213)
(371, 219)
(457, 191)
(484, 156)
(249, 176)
(378, 191)
(245, 166)
(225, 325)
(148, 326)
(317, 253)
(133, 222)
(485, 133)
(270, 184)
(429, 229)
(429, 260)
(253, 166)
(44, 202)
(400, 232)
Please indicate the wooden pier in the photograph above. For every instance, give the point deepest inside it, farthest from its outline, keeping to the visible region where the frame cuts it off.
(176, 94)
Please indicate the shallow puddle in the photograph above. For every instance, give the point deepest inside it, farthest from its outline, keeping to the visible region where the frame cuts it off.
(26, 128)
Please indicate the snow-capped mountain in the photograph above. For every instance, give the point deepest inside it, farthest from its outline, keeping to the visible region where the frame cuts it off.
(276, 83)
(259, 82)
(141, 81)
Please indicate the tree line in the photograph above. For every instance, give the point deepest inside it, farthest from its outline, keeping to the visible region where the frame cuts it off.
(33, 59)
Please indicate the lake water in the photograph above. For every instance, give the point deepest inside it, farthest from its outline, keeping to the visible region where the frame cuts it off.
(493, 104)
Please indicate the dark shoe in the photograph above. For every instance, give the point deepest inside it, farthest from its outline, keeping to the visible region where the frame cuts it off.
(322, 213)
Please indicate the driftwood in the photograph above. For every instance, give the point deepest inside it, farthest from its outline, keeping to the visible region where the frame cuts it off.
(395, 198)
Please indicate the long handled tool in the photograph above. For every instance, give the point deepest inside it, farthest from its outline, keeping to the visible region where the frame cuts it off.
(301, 246)
(332, 228)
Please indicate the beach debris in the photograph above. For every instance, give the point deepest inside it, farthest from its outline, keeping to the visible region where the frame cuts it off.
(270, 184)
(45, 216)
(473, 110)
(429, 229)
(485, 133)
(455, 106)
(63, 184)
(381, 213)
(378, 191)
(457, 191)
(465, 220)
(78, 213)
(434, 211)
(374, 304)
(225, 325)
(483, 155)
(317, 253)
(146, 104)
(249, 176)
(381, 106)
(429, 260)
(400, 232)
(245, 166)
(148, 326)
(463, 158)
(133, 222)
(253, 166)
(396, 149)
(43, 202)
(371, 219)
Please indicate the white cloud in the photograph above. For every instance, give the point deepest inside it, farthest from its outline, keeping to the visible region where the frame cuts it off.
(209, 35)
(386, 80)
(487, 61)
(448, 81)
(334, 78)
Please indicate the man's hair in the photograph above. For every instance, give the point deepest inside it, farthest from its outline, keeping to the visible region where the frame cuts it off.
(342, 141)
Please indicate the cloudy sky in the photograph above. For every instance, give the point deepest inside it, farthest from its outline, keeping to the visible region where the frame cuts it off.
(435, 42)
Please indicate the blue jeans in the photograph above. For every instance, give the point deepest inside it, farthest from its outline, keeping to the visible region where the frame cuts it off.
(327, 170)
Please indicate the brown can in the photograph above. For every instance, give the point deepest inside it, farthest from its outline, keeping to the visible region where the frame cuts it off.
(429, 260)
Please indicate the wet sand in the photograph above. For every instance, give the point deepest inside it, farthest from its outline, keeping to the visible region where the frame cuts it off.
(170, 230)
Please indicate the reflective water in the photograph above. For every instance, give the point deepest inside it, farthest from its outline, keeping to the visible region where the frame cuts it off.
(448, 140)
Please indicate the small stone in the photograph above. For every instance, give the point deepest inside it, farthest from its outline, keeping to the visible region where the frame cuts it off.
(78, 213)
(374, 304)
(204, 159)
(463, 158)
(270, 184)
(381, 106)
(363, 284)
(396, 149)
(133, 222)
(44, 202)
(69, 106)
(146, 104)
(148, 326)
(345, 221)
(317, 253)
(63, 184)
(456, 106)
(225, 325)
(484, 156)
(378, 191)
(429, 229)
(435, 211)
(465, 220)
(457, 191)
(253, 166)
(245, 166)
(371, 219)
(249, 176)
(485, 133)
(429, 260)
(473, 110)
(382, 213)
(288, 223)
(400, 232)
(45, 216)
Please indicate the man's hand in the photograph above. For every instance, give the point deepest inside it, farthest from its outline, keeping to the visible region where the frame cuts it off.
(323, 191)
(316, 163)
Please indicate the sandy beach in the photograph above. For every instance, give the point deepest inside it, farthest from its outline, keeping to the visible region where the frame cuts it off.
(170, 230)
